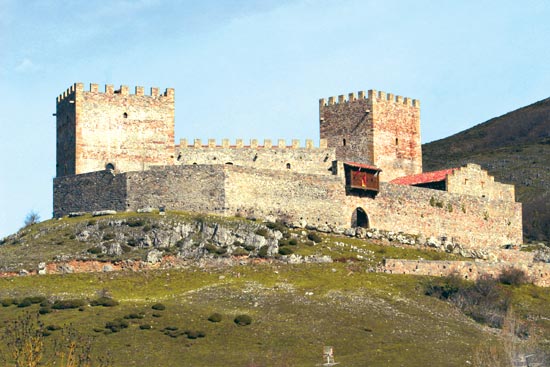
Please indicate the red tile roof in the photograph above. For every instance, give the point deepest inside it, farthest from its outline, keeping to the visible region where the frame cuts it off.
(425, 177)
(361, 165)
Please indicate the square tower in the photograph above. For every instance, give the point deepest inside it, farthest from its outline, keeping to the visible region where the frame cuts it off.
(379, 129)
(113, 129)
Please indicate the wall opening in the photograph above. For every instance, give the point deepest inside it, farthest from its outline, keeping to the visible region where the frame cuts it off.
(344, 142)
(359, 218)
(288, 166)
(125, 115)
(229, 163)
(396, 141)
(110, 167)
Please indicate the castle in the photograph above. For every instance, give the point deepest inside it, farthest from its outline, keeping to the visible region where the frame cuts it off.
(116, 151)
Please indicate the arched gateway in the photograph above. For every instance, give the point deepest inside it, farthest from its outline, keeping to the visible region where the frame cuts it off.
(359, 218)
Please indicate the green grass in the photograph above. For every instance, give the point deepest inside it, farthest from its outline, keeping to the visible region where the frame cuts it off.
(370, 319)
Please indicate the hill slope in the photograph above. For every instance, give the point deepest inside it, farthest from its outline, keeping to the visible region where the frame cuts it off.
(515, 148)
(369, 318)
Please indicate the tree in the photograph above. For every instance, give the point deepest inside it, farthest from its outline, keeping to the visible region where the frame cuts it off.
(32, 218)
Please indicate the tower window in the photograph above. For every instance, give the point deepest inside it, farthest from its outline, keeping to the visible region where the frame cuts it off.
(110, 167)
(125, 115)
(396, 141)
(344, 142)
(288, 166)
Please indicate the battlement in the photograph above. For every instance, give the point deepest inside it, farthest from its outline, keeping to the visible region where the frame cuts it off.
(370, 97)
(109, 89)
(253, 144)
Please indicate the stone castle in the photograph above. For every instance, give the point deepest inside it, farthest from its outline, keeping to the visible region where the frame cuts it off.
(116, 151)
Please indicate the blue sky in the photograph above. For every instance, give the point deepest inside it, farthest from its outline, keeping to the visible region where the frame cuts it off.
(256, 69)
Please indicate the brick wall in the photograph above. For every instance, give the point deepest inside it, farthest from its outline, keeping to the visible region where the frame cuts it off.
(308, 159)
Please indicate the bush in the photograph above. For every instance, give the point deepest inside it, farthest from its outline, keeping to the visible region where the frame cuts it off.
(278, 226)
(68, 304)
(249, 247)
(104, 301)
(145, 327)
(133, 316)
(158, 307)
(283, 242)
(135, 222)
(32, 218)
(156, 314)
(513, 276)
(262, 232)
(26, 302)
(221, 251)
(53, 327)
(243, 320)
(95, 250)
(263, 251)
(293, 242)
(6, 302)
(116, 325)
(44, 310)
(240, 252)
(285, 251)
(109, 236)
(36, 299)
(445, 287)
(314, 237)
(215, 317)
(211, 248)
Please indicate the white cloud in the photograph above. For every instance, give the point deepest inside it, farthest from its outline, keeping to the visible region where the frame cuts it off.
(26, 66)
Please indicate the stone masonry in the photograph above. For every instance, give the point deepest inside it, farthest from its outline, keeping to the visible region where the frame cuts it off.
(116, 151)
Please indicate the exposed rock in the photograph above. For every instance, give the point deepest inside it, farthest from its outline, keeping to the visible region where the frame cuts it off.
(83, 236)
(76, 214)
(154, 256)
(99, 213)
(145, 210)
(113, 249)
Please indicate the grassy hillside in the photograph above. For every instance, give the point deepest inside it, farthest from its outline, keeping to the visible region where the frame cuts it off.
(369, 318)
(515, 148)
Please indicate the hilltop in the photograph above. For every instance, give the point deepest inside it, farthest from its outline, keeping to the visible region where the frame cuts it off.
(515, 148)
(334, 298)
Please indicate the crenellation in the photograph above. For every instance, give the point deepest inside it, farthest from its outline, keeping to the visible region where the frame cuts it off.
(351, 97)
(309, 144)
(139, 91)
(331, 100)
(239, 143)
(254, 143)
(225, 143)
(109, 89)
(399, 99)
(124, 91)
(211, 143)
(198, 143)
(341, 98)
(154, 92)
(268, 144)
(94, 88)
(183, 143)
(295, 144)
(361, 94)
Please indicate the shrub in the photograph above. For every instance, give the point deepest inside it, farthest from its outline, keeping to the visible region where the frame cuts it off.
(293, 242)
(37, 299)
(243, 320)
(211, 248)
(135, 222)
(283, 242)
(68, 304)
(314, 237)
(221, 251)
(53, 327)
(240, 252)
(262, 232)
(32, 218)
(116, 325)
(191, 334)
(95, 250)
(104, 301)
(146, 228)
(238, 244)
(44, 310)
(263, 251)
(6, 302)
(133, 316)
(158, 307)
(24, 303)
(145, 327)
(249, 247)
(156, 314)
(278, 226)
(285, 251)
(92, 222)
(443, 288)
(109, 236)
(513, 276)
(131, 242)
(215, 317)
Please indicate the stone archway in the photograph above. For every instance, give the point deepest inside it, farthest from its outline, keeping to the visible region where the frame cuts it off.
(359, 218)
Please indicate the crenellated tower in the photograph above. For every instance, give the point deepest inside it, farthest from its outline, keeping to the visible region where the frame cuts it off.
(379, 129)
(113, 129)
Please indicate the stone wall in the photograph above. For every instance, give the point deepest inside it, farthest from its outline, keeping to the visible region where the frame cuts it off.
(472, 180)
(89, 192)
(197, 188)
(473, 222)
(129, 131)
(308, 159)
(472, 270)
(382, 130)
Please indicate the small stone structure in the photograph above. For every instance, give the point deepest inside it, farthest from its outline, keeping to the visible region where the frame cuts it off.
(116, 151)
